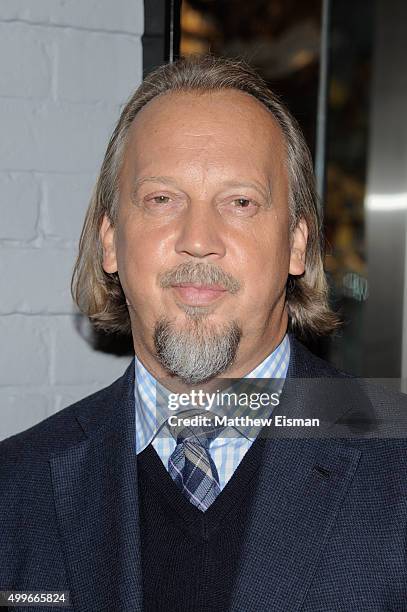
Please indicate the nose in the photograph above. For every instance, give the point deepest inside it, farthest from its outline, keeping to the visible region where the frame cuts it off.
(200, 234)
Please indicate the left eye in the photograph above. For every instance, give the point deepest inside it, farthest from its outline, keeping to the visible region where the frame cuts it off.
(242, 202)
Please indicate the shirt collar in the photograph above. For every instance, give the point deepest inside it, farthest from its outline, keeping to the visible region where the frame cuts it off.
(151, 415)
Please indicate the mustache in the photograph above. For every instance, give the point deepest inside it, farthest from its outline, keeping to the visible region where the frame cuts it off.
(204, 274)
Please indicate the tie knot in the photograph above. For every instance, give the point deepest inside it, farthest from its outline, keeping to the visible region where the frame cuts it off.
(198, 428)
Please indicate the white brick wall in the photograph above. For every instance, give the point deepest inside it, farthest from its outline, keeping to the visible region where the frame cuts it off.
(66, 68)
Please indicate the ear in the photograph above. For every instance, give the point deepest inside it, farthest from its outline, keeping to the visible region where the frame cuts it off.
(106, 234)
(299, 239)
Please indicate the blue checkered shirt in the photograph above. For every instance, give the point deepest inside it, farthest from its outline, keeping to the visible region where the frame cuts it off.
(227, 451)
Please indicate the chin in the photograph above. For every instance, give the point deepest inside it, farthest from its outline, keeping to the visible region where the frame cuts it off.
(197, 313)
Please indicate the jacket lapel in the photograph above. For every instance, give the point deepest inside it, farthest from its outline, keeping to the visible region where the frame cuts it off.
(95, 490)
(301, 485)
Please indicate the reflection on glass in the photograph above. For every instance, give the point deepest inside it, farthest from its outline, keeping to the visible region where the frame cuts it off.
(347, 148)
(279, 38)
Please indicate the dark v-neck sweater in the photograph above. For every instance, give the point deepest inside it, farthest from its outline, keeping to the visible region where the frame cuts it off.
(190, 558)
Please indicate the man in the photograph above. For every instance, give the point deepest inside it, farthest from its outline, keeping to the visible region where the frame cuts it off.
(203, 241)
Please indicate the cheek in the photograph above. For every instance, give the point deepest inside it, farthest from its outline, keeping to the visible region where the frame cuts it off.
(141, 243)
(265, 246)
(139, 260)
(264, 264)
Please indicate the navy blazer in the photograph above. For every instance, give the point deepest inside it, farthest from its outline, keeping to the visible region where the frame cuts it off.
(327, 528)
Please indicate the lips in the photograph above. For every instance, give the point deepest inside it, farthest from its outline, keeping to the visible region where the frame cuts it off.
(196, 294)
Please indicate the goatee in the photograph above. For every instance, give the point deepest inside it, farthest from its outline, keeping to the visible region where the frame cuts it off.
(199, 351)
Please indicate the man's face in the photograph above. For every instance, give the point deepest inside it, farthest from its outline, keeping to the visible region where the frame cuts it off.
(202, 242)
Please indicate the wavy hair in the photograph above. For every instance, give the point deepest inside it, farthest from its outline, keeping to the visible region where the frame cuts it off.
(99, 295)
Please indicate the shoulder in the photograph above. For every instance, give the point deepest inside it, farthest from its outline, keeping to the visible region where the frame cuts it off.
(304, 363)
(365, 406)
(62, 429)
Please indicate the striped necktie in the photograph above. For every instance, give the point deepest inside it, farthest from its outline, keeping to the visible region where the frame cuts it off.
(191, 466)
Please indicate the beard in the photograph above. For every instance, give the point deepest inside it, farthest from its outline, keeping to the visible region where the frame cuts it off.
(197, 352)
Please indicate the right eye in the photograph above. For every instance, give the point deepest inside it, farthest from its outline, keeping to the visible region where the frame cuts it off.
(161, 199)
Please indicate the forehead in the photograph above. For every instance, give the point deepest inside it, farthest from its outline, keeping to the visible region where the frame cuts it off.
(226, 127)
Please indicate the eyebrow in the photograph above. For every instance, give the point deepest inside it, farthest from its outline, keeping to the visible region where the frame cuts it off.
(168, 180)
(264, 192)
